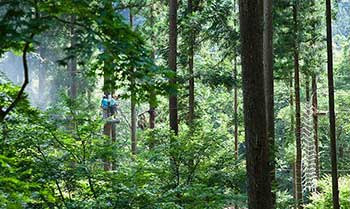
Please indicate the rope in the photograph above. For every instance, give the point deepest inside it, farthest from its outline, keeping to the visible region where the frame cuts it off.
(309, 177)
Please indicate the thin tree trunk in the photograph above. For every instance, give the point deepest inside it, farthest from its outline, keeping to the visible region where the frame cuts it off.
(173, 116)
(114, 138)
(315, 110)
(291, 103)
(107, 131)
(315, 123)
(13, 104)
(235, 89)
(292, 132)
(133, 125)
(152, 99)
(72, 63)
(235, 107)
(331, 107)
(191, 99)
(299, 194)
(269, 87)
(133, 105)
(257, 142)
(152, 111)
(307, 89)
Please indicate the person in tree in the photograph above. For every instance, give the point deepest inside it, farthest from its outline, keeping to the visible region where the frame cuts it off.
(104, 106)
(142, 122)
(114, 104)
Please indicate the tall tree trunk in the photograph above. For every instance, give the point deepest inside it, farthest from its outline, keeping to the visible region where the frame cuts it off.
(307, 89)
(173, 116)
(133, 104)
(292, 132)
(114, 138)
(299, 194)
(257, 142)
(315, 109)
(107, 131)
(315, 123)
(235, 89)
(133, 123)
(152, 99)
(152, 110)
(235, 107)
(72, 63)
(291, 103)
(269, 87)
(331, 107)
(191, 101)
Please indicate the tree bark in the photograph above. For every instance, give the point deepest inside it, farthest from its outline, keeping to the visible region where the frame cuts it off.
(307, 89)
(20, 93)
(315, 110)
(292, 132)
(257, 142)
(335, 190)
(173, 115)
(152, 99)
(133, 125)
(235, 90)
(235, 107)
(107, 131)
(114, 138)
(315, 123)
(299, 194)
(133, 104)
(72, 63)
(191, 98)
(269, 86)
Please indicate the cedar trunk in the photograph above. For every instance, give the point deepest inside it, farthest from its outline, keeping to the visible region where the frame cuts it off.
(315, 123)
(307, 89)
(152, 98)
(235, 107)
(133, 104)
(173, 117)
(331, 107)
(299, 194)
(72, 63)
(107, 131)
(257, 143)
(235, 91)
(292, 132)
(190, 67)
(268, 77)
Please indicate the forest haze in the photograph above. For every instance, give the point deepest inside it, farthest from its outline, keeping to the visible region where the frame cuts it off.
(227, 104)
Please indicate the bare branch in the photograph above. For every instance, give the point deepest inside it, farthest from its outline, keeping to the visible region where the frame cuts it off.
(5, 112)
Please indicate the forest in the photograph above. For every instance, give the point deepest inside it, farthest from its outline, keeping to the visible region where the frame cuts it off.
(192, 104)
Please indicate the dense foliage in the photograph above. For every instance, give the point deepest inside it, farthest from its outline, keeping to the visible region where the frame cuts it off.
(54, 152)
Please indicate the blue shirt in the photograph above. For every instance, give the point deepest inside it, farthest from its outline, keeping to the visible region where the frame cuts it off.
(114, 102)
(104, 103)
